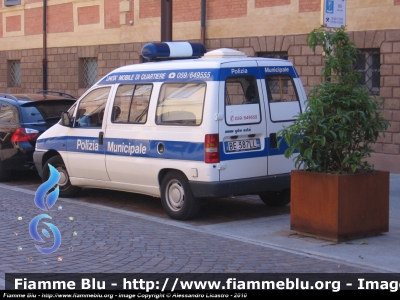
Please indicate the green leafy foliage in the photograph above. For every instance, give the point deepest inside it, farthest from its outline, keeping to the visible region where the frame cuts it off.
(335, 132)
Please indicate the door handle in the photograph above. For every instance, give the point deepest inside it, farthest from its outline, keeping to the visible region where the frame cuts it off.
(273, 143)
(101, 137)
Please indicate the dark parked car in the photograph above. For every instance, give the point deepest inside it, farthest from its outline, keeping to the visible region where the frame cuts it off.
(23, 117)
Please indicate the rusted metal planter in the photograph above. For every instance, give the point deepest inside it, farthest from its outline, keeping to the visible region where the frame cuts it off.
(339, 207)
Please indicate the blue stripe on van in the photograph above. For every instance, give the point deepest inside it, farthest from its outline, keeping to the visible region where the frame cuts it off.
(57, 143)
(258, 72)
(240, 71)
(278, 71)
(194, 74)
(178, 150)
(162, 76)
(144, 148)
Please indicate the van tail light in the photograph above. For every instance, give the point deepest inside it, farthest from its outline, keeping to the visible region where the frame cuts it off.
(211, 148)
(24, 135)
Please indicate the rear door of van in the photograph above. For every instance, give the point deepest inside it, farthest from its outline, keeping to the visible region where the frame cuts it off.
(242, 131)
(283, 96)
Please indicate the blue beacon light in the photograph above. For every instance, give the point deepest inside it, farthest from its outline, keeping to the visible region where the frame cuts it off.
(167, 50)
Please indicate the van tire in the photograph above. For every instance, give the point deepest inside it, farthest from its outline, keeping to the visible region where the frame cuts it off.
(65, 186)
(177, 197)
(276, 198)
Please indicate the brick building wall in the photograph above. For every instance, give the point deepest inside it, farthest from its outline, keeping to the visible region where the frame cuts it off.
(13, 23)
(63, 65)
(1, 25)
(130, 15)
(269, 3)
(309, 5)
(186, 11)
(223, 10)
(390, 80)
(149, 9)
(33, 21)
(88, 15)
(60, 18)
(111, 13)
(32, 68)
(3, 71)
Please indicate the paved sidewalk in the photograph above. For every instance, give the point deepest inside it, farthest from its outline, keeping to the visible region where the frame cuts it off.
(112, 240)
(380, 253)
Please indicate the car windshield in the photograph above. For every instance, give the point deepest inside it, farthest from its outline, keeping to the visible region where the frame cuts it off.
(46, 111)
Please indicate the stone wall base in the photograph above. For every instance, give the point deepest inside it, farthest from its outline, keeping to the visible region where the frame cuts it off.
(385, 162)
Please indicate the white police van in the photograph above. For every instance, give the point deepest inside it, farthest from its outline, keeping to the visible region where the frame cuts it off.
(182, 129)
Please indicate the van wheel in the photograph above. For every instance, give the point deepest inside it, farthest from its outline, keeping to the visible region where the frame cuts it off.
(65, 186)
(276, 199)
(4, 174)
(177, 198)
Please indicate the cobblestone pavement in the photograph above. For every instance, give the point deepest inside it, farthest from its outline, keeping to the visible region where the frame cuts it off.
(103, 239)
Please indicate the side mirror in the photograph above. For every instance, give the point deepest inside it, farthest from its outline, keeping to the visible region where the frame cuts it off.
(65, 120)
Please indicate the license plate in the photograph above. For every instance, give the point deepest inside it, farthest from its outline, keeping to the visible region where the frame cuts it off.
(242, 145)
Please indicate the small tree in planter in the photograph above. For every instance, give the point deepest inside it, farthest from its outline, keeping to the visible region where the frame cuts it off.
(332, 137)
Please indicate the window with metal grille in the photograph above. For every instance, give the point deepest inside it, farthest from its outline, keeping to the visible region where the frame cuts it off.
(89, 71)
(368, 65)
(14, 73)
(277, 54)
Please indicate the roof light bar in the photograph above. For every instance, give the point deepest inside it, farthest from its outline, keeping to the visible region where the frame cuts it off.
(166, 50)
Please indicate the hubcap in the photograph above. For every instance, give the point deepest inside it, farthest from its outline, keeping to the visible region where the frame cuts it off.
(175, 195)
(63, 177)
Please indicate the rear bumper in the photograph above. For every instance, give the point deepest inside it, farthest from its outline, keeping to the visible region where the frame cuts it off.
(16, 159)
(238, 187)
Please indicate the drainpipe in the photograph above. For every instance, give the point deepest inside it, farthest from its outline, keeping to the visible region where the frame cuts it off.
(203, 22)
(166, 20)
(44, 45)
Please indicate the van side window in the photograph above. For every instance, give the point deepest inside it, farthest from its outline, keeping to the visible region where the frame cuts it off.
(131, 103)
(181, 104)
(91, 108)
(283, 98)
(242, 102)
